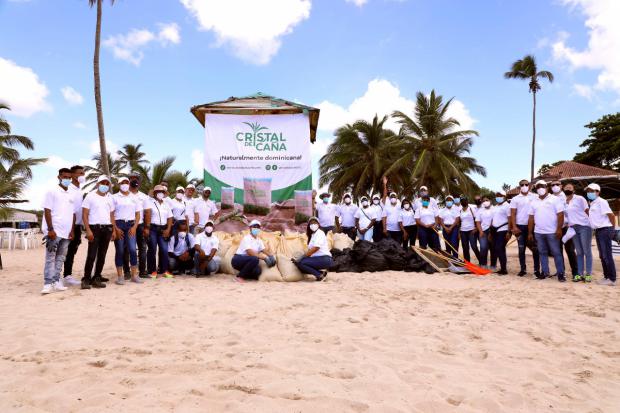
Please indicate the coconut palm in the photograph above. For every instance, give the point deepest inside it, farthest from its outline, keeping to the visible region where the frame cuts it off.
(432, 149)
(526, 69)
(155, 173)
(102, 145)
(131, 156)
(115, 167)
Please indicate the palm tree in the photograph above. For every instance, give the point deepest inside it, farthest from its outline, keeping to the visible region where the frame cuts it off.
(526, 69)
(154, 174)
(102, 144)
(357, 159)
(115, 167)
(432, 149)
(131, 156)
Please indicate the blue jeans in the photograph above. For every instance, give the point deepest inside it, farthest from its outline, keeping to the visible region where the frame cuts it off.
(484, 248)
(427, 237)
(604, 238)
(453, 239)
(312, 265)
(468, 239)
(247, 266)
(549, 244)
(156, 239)
(54, 260)
(522, 242)
(212, 267)
(499, 246)
(583, 248)
(130, 242)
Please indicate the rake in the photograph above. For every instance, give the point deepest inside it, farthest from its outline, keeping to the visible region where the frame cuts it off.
(473, 268)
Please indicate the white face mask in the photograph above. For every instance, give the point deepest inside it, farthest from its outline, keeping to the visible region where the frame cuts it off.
(541, 191)
(407, 207)
(525, 189)
(314, 227)
(347, 201)
(179, 196)
(81, 179)
(209, 229)
(124, 187)
(375, 201)
(393, 201)
(182, 234)
(556, 189)
(486, 204)
(364, 203)
(160, 196)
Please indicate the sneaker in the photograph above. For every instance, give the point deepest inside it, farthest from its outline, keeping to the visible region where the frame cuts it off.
(104, 279)
(577, 278)
(144, 275)
(561, 278)
(322, 276)
(167, 274)
(59, 287)
(85, 285)
(153, 275)
(47, 289)
(502, 272)
(542, 276)
(537, 274)
(136, 280)
(604, 281)
(96, 283)
(587, 278)
(522, 273)
(120, 281)
(69, 281)
(127, 276)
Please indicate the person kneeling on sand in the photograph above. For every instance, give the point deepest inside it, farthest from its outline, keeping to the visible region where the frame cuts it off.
(181, 250)
(206, 246)
(250, 251)
(317, 259)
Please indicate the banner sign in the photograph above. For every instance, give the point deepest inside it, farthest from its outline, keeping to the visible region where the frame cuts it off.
(265, 158)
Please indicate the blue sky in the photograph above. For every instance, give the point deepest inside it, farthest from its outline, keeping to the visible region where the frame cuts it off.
(350, 58)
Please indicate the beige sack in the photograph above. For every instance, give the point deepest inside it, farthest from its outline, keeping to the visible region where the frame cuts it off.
(288, 270)
(223, 248)
(292, 244)
(226, 264)
(342, 241)
(269, 274)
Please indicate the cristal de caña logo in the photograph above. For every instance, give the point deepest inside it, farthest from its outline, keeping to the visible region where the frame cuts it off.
(261, 138)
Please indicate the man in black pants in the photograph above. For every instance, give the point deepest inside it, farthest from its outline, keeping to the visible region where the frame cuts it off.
(77, 179)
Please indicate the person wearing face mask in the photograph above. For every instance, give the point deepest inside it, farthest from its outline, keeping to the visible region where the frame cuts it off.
(483, 220)
(519, 217)
(391, 214)
(250, 251)
(181, 250)
(477, 203)
(206, 244)
(328, 213)
(204, 210)
(568, 246)
(423, 191)
(450, 219)
(576, 214)
(189, 199)
(457, 202)
(365, 218)
(58, 224)
(157, 229)
(468, 229)
(127, 216)
(179, 208)
(499, 231)
(603, 220)
(98, 216)
(347, 216)
(317, 260)
(377, 210)
(142, 200)
(545, 223)
(77, 180)
(406, 220)
(426, 218)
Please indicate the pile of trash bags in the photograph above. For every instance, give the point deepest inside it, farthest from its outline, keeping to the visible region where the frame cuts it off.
(384, 255)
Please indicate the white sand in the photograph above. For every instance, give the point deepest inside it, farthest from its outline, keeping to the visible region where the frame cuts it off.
(385, 342)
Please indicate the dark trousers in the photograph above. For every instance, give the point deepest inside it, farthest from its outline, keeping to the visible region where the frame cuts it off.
(74, 244)
(141, 244)
(412, 233)
(604, 238)
(327, 229)
(428, 238)
(468, 240)
(453, 239)
(247, 266)
(313, 265)
(485, 248)
(522, 241)
(97, 249)
(350, 231)
(156, 240)
(569, 247)
(377, 232)
(396, 236)
(177, 265)
(499, 246)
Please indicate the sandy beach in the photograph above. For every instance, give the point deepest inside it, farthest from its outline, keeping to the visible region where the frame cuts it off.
(382, 342)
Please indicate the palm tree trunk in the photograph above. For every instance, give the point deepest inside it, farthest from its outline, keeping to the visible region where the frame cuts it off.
(533, 136)
(102, 145)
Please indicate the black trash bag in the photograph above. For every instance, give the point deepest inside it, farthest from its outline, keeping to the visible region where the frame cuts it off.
(373, 262)
(416, 265)
(428, 269)
(393, 252)
(344, 263)
(336, 252)
(360, 249)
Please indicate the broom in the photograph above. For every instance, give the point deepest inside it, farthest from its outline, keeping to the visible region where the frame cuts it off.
(469, 265)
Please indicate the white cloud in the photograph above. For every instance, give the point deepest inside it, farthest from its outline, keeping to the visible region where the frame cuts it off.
(602, 52)
(57, 162)
(381, 97)
(79, 125)
(72, 96)
(358, 3)
(251, 29)
(21, 88)
(583, 90)
(197, 162)
(129, 47)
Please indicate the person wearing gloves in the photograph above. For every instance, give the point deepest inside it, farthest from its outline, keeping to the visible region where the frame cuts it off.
(347, 216)
(519, 217)
(603, 220)
(179, 208)
(317, 260)
(450, 220)
(576, 212)
(157, 229)
(126, 219)
(181, 250)
(568, 246)
(327, 213)
(206, 245)
(250, 251)
(391, 214)
(499, 231)
(426, 218)
(406, 220)
(204, 210)
(468, 229)
(484, 217)
(377, 228)
(365, 220)
(545, 223)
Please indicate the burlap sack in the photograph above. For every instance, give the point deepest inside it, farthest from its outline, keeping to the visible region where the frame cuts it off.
(342, 241)
(269, 274)
(288, 270)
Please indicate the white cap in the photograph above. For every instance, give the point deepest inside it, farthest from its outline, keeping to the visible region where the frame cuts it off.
(423, 187)
(209, 222)
(159, 188)
(393, 193)
(190, 186)
(450, 196)
(255, 222)
(122, 179)
(501, 192)
(180, 188)
(207, 188)
(594, 187)
(541, 182)
(347, 195)
(376, 197)
(103, 178)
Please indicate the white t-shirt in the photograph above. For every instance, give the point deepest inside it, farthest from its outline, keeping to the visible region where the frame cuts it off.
(204, 209)
(449, 215)
(407, 217)
(179, 209)
(99, 208)
(599, 208)
(426, 215)
(391, 213)
(159, 212)
(467, 218)
(545, 212)
(189, 209)
(327, 213)
(365, 216)
(500, 216)
(60, 204)
(78, 197)
(575, 212)
(182, 244)
(377, 210)
(318, 239)
(126, 206)
(141, 198)
(250, 243)
(522, 204)
(347, 215)
(485, 216)
(206, 243)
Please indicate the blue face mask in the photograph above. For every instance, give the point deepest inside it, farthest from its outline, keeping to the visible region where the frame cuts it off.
(449, 203)
(326, 200)
(425, 203)
(255, 231)
(104, 188)
(457, 200)
(591, 196)
(65, 182)
(499, 199)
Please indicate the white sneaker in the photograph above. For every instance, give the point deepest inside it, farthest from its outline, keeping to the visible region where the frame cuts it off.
(47, 289)
(58, 286)
(69, 281)
(604, 281)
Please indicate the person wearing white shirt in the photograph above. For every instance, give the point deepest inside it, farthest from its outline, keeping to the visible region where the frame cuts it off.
(569, 245)
(127, 211)
(576, 213)
(58, 224)
(545, 223)
(317, 260)
(327, 213)
(181, 250)
(77, 180)
(179, 208)
(98, 216)
(377, 207)
(141, 241)
(189, 199)
(157, 229)
(204, 210)
(391, 213)
(450, 220)
(603, 220)
(406, 220)
(346, 215)
(484, 217)
(206, 246)
(422, 193)
(500, 233)
(250, 251)
(519, 217)
(426, 219)
(468, 229)
(365, 218)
